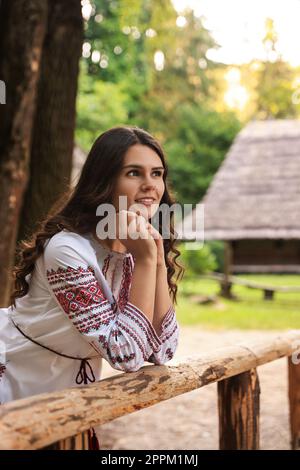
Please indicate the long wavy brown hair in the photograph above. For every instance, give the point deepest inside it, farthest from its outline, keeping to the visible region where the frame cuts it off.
(75, 210)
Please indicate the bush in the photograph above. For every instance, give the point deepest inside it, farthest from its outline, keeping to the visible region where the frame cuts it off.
(217, 249)
(197, 261)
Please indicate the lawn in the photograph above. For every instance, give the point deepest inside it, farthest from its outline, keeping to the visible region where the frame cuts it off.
(249, 311)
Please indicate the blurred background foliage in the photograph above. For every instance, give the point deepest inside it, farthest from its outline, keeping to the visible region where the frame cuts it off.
(144, 64)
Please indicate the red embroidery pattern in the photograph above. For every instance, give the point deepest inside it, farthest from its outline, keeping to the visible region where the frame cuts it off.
(169, 325)
(106, 264)
(172, 332)
(124, 358)
(169, 353)
(2, 370)
(80, 295)
(169, 328)
(125, 283)
(135, 336)
(169, 317)
(59, 274)
(116, 349)
(143, 324)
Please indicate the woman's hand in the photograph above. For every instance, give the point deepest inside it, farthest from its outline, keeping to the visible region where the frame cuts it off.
(156, 236)
(159, 244)
(132, 231)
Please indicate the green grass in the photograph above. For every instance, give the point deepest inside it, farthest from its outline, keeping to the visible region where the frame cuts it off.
(250, 311)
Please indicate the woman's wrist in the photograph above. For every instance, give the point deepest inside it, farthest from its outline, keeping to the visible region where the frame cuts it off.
(146, 260)
(161, 266)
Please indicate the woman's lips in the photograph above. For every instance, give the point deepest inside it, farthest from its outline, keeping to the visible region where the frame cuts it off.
(147, 203)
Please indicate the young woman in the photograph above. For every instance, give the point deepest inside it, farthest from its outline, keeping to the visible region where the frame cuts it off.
(79, 298)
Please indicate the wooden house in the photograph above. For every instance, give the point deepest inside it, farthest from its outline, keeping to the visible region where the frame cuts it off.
(253, 202)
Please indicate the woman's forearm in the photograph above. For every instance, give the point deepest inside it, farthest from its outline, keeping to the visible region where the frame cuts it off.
(142, 291)
(162, 297)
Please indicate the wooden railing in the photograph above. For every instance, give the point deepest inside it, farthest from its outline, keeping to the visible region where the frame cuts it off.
(226, 282)
(38, 421)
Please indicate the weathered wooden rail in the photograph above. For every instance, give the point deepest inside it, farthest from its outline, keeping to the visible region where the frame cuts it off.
(226, 281)
(38, 421)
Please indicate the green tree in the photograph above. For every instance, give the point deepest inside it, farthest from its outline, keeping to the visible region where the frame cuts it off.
(100, 105)
(121, 39)
(114, 48)
(197, 148)
(274, 88)
(174, 101)
(186, 77)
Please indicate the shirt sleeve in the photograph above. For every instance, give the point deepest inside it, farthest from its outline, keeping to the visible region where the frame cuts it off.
(168, 338)
(125, 339)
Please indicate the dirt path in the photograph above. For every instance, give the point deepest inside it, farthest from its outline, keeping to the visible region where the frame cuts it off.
(191, 421)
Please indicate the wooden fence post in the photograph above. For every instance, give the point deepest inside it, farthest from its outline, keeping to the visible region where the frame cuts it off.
(225, 283)
(238, 402)
(294, 401)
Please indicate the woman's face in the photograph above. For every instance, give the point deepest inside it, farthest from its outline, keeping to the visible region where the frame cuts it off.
(141, 176)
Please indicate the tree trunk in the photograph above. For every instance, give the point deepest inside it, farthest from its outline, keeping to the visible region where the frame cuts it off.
(53, 134)
(22, 31)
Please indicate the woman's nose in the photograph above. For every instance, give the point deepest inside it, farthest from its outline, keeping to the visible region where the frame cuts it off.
(148, 182)
(148, 185)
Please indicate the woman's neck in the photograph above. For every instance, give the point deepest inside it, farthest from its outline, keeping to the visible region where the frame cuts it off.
(114, 245)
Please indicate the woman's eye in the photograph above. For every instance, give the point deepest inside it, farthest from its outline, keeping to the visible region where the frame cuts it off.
(157, 172)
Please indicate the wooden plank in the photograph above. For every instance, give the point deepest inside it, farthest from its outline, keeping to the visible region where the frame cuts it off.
(35, 422)
(294, 399)
(238, 403)
(251, 284)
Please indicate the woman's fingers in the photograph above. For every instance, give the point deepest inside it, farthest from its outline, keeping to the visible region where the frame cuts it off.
(142, 229)
(132, 228)
(126, 224)
(134, 225)
(140, 209)
(154, 233)
(122, 224)
(137, 227)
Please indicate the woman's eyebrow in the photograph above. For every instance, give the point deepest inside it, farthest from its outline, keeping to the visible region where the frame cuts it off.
(141, 166)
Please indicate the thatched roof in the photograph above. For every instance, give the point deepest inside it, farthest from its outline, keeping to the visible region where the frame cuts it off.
(256, 191)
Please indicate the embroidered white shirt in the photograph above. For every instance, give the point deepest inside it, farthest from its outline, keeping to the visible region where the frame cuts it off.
(77, 305)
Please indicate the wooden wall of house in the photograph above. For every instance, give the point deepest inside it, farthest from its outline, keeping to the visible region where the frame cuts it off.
(266, 256)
